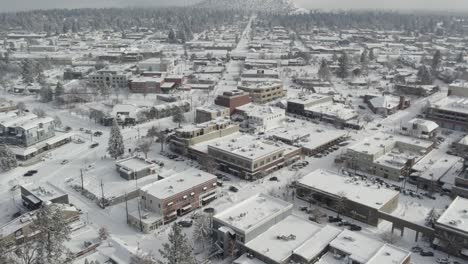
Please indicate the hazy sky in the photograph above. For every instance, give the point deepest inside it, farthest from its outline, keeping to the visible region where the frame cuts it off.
(442, 5)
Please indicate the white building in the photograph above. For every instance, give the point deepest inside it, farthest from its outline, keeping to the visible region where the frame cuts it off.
(262, 118)
(420, 128)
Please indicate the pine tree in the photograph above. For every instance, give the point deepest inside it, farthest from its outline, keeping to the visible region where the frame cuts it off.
(46, 94)
(178, 116)
(172, 36)
(53, 232)
(177, 250)
(324, 72)
(59, 90)
(116, 147)
(27, 71)
(202, 229)
(436, 60)
(7, 158)
(371, 55)
(461, 57)
(343, 66)
(425, 75)
(364, 60)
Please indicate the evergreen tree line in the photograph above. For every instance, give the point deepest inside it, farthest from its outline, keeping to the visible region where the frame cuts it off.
(185, 19)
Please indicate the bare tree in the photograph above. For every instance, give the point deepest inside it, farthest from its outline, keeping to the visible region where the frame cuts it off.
(145, 146)
(341, 203)
(390, 237)
(21, 107)
(202, 229)
(57, 121)
(209, 164)
(39, 112)
(103, 233)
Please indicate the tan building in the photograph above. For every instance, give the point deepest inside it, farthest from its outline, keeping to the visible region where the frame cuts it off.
(263, 92)
(388, 156)
(249, 158)
(194, 134)
(207, 113)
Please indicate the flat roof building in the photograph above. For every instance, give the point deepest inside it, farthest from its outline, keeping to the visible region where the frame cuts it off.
(362, 200)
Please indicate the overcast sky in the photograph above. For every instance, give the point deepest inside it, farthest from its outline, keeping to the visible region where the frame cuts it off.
(442, 5)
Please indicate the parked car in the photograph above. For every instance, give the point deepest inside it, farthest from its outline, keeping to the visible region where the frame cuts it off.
(68, 128)
(274, 178)
(233, 189)
(355, 228)
(426, 253)
(94, 145)
(64, 162)
(97, 134)
(443, 261)
(88, 131)
(416, 249)
(332, 219)
(185, 223)
(28, 174)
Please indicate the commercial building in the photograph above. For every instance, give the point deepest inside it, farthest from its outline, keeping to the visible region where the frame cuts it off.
(156, 64)
(388, 156)
(262, 230)
(145, 85)
(356, 248)
(232, 100)
(386, 104)
(210, 112)
(113, 77)
(25, 130)
(163, 201)
(311, 138)
(194, 134)
(251, 158)
(261, 118)
(451, 228)
(450, 112)
(20, 230)
(459, 88)
(244, 221)
(322, 108)
(135, 168)
(436, 171)
(263, 92)
(420, 128)
(359, 200)
(35, 196)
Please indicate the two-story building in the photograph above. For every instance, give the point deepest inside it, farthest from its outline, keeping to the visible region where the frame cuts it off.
(164, 200)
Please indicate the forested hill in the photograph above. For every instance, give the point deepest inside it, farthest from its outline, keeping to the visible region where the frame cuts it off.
(269, 6)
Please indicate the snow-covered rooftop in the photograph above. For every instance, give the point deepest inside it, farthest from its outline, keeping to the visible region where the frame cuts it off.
(177, 183)
(435, 165)
(359, 247)
(253, 212)
(311, 248)
(360, 192)
(135, 164)
(453, 104)
(248, 147)
(389, 254)
(310, 135)
(456, 215)
(381, 141)
(386, 101)
(280, 241)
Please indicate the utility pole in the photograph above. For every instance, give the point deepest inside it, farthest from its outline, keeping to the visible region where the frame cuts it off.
(139, 215)
(102, 194)
(126, 206)
(82, 182)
